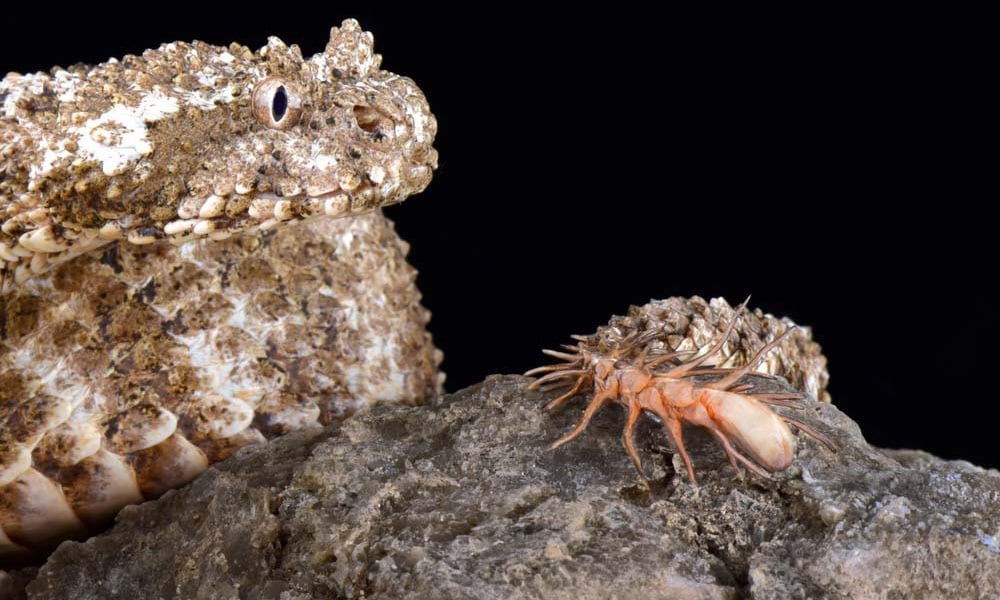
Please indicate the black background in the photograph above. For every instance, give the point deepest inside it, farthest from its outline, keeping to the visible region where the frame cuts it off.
(834, 165)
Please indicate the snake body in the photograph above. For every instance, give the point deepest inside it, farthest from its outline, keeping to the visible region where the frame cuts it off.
(192, 259)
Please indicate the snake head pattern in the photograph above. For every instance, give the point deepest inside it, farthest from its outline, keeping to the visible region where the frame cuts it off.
(192, 140)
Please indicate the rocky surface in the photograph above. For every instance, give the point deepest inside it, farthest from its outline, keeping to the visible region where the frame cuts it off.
(461, 499)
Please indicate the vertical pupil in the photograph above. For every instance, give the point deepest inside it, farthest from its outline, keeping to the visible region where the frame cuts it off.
(279, 104)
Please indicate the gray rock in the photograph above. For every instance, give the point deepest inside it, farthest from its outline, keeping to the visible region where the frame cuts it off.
(461, 499)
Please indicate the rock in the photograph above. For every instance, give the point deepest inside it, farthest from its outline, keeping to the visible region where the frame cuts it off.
(461, 499)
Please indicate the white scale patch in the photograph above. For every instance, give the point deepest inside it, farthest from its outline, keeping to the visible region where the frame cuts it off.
(118, 138)
(325, 162)
(19, 86)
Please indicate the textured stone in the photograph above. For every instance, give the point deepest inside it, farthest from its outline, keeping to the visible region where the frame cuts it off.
(460, 499)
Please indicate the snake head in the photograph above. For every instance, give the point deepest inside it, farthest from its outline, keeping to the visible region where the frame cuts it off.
(332, 134)
(193, 140)
(335, 127)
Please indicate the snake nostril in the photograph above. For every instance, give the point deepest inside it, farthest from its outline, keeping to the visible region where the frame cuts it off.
(367, 117)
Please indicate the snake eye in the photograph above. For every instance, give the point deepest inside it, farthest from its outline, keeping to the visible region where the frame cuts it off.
(276, 104)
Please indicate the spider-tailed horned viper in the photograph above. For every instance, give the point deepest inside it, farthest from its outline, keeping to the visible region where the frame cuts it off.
(127, 363)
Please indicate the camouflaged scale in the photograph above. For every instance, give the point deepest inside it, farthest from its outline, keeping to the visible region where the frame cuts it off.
(693, 324)
(128, 364)
(653, 361)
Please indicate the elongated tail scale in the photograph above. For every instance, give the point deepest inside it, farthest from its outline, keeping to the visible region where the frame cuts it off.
(640, 371)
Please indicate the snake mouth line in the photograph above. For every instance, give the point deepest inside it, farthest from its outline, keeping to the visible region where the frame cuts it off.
(48, 245)
(43, 244)
(219, 218)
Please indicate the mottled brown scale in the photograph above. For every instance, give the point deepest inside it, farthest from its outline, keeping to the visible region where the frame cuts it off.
(127, 363)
